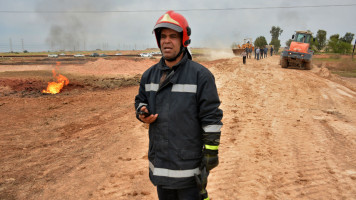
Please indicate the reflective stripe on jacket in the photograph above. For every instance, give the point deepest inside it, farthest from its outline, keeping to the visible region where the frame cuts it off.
(187, 105)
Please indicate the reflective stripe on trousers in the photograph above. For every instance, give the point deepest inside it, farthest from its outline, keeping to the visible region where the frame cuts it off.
(173, 173)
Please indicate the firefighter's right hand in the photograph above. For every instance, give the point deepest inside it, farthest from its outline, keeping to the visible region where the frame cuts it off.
(202, 181)
(149, 119)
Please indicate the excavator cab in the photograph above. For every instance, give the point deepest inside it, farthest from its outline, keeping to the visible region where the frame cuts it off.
(302, 37)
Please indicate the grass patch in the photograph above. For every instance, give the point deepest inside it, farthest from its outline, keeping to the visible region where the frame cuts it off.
(342, 65)
(332, 58)
(349, 74)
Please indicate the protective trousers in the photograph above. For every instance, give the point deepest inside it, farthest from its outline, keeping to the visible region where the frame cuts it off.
(178, 194)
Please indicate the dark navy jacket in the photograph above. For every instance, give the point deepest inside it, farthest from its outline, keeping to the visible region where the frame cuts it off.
(187, 105)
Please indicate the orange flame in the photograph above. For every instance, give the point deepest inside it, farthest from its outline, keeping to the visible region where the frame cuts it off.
(56, 87)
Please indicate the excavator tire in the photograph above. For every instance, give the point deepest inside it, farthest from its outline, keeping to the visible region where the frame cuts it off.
(284, 62)
(307, 66)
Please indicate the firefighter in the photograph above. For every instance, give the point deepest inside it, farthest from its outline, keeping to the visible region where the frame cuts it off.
(178, 98)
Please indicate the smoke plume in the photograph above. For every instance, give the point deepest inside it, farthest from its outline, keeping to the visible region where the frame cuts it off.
(69, 30)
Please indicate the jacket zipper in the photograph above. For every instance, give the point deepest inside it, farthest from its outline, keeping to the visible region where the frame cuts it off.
(166, 81)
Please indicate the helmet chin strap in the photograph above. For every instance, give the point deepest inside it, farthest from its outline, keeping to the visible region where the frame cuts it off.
(175, 58)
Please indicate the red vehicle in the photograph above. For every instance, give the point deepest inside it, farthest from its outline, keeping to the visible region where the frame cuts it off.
(299, 53)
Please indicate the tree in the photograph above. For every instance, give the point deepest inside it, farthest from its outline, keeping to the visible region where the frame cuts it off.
(260, 41)
(338, 46)
(276, 44)
(276, 32)
(313, 42)
(334, 37)
(320, 39)
(348, 37)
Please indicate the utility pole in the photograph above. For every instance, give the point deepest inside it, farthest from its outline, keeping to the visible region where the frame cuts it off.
(353, 51)
(10, 45)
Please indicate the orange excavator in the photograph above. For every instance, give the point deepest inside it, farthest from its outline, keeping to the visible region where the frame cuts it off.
(299, 53)
(238, 49)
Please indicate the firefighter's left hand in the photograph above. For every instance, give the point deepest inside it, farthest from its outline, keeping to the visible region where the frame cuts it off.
(149, 119)
(210, 161)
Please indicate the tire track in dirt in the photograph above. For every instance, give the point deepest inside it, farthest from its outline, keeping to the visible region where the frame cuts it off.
(306, 171)
(241, 105)
(272, 147)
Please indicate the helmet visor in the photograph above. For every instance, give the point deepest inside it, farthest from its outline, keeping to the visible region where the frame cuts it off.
(168, 25)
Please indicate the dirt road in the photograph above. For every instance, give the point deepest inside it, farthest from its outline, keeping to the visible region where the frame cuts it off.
(288, 134)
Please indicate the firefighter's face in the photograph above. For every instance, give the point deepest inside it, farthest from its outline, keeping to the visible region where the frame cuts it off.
(170, 43)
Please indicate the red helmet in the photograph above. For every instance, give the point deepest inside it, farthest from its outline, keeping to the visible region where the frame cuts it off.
(175, 21)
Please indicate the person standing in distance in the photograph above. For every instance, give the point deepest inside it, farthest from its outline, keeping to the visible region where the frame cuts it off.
(244, 54)
(178, 98)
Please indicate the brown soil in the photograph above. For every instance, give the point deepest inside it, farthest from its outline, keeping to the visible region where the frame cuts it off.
(288, 133)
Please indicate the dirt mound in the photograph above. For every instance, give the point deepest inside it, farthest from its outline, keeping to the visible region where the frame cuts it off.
(21, 87)
(111, 67)
(25, 87)
(30, 80)
(325, 73)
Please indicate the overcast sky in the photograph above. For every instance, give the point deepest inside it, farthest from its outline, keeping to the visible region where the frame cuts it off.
(37, 27)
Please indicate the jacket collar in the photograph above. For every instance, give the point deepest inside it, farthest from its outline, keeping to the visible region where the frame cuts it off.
(173, 78)
(162, 65)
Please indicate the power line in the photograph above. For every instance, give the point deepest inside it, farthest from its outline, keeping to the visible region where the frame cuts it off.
(180, 10)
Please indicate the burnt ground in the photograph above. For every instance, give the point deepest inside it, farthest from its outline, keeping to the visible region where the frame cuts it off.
(31, 83)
